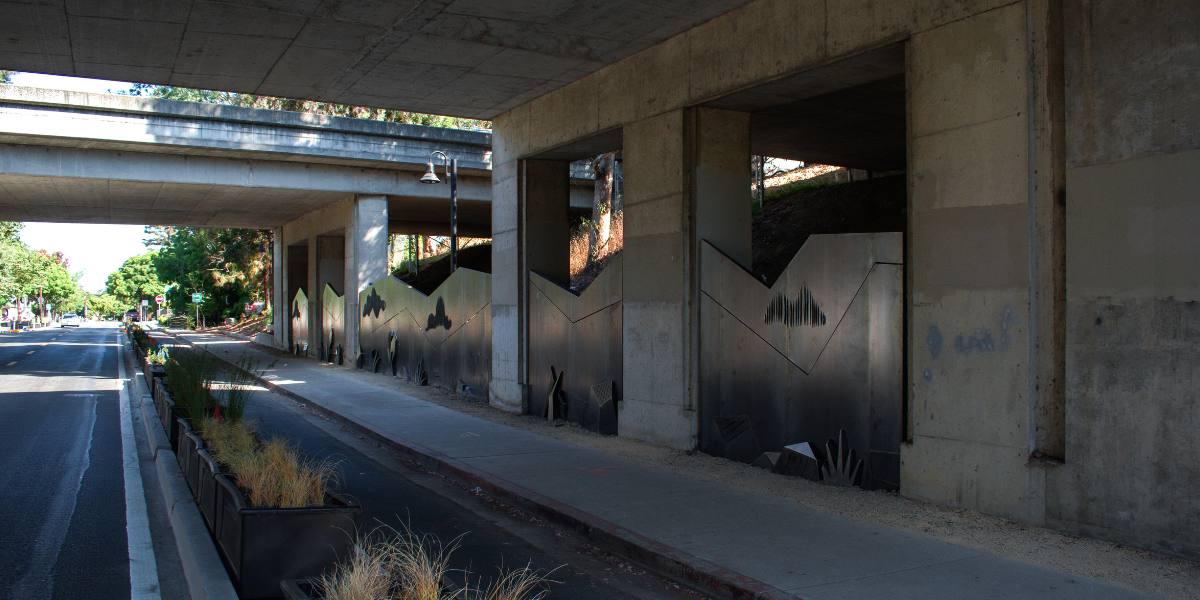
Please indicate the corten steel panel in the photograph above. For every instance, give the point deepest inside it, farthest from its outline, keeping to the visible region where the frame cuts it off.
(333, 324)
(580, 336)
(299, 323)
(447, 333)
(817, 352)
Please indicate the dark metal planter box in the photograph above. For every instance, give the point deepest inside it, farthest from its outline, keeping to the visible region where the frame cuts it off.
(303, 589)
(264, 546)
(189, 445)
(176, 424)
(299, 589)
(206, 493)
(185, 449)
(156, 372)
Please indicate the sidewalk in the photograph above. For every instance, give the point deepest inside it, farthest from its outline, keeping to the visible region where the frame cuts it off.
(731, 541)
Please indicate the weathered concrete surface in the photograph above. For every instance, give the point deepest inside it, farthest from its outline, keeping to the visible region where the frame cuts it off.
(1132, 77)
(67, 156)
(1132, 469)
(1132, 213)
(467, 59)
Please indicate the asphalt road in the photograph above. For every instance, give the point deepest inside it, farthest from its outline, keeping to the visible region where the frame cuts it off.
(62, 494)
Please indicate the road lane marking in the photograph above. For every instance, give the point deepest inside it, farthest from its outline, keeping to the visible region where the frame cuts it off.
(30, 352)
(143, 572)
(38, 580)
(11, 363)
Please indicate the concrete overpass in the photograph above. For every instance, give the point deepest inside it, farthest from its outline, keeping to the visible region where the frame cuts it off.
(1050, 149)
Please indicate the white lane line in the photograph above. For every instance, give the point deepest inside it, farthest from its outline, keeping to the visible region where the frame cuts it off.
(38, 581)
(143, 571)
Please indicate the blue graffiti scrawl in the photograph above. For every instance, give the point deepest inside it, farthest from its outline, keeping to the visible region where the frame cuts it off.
(802, 310)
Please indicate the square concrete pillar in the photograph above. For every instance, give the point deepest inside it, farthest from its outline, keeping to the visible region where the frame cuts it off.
(985, 264)
(279, 302)
(531, 232)
(687, 179)
(313, 291)
(366, 257)
(331, 271)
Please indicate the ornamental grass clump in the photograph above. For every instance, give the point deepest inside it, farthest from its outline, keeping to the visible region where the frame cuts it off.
(190, 375)
(273, 474)
(390, 564)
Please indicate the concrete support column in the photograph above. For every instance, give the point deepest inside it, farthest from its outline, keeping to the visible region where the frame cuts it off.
(986, 261)
(366, 257)
(687, 179)
(279, 301)
(313, 291)
(331, 271)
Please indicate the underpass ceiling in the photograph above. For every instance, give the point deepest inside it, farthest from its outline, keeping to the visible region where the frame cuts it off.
(464, 58)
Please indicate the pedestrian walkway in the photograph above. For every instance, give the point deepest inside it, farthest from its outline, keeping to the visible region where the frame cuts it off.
(745, 544)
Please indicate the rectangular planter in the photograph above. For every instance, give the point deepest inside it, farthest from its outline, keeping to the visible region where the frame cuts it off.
(206, 494)
(182, 452)
(189, 461)
(303, 589)
(264, 546)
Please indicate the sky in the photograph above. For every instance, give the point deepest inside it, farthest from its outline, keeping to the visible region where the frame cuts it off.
(77, 84)
(97, 250)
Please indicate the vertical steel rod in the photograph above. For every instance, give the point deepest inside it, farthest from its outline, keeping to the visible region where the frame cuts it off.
(453, 214)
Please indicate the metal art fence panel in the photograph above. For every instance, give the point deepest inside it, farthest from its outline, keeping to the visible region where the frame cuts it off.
(444, 339)
(299, 324)
(578, 337)
(333, 325)
(817, 352)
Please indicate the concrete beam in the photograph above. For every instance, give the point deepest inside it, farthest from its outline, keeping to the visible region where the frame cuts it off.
(106, 121)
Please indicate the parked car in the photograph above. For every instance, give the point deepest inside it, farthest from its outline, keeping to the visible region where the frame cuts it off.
(70, 320)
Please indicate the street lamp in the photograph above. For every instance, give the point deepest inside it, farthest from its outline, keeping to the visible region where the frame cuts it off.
(430, 176)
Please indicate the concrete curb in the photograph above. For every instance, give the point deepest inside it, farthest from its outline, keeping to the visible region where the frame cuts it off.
(655, 555)
(202, 567)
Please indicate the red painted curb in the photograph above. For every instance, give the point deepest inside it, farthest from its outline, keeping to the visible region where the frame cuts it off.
(614, 538)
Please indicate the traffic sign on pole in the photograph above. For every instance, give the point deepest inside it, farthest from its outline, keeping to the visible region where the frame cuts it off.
(159, 299)
(197, 298)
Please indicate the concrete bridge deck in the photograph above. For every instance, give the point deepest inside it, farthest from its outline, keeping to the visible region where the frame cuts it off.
(81, 157)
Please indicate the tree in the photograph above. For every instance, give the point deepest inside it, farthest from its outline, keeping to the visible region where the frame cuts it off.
(136, 280)
(305, 106)
(601, 204)
(5, 76)
(230, 267)
(106, 304)
(11, 231)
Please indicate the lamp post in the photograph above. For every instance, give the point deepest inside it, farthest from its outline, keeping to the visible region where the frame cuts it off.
(452, 174)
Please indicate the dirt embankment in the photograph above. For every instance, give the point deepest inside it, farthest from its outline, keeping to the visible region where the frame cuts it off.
(476, 258)
(783, 226)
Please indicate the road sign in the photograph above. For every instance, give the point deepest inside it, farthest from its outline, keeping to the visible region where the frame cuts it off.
(145, 302)
(159, 299)
(197, 298)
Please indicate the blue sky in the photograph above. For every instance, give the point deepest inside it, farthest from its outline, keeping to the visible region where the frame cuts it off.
(97, 250)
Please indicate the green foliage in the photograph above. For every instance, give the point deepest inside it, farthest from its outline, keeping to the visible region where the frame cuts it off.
(136, 280)
(190, 374)
(228, 266)
(304, 106)
(106, 304)
(10, 231)
(6, 76)
(28, 273)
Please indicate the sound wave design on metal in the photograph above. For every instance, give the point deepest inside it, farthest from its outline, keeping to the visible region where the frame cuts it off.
(793, 312)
